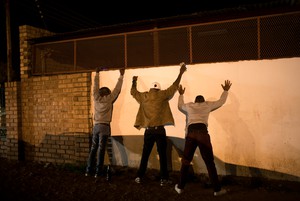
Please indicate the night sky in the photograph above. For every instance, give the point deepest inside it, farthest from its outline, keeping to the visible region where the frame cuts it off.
(62, 16)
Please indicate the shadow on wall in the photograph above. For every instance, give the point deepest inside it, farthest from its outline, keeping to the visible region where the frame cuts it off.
(126, 151)
(73, 148)
(65, 148)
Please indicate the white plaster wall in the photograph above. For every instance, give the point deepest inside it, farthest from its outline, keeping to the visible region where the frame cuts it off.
(257, 127)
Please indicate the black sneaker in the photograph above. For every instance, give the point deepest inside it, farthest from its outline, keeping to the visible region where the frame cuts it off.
(164, 182)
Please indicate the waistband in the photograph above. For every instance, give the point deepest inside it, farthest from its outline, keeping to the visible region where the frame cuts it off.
(155, 127)
(197, 126)
(105, 124)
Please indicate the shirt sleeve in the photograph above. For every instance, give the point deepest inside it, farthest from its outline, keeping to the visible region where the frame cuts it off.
(181, 105)
(216, 104)
(117, 89)
(96, 87)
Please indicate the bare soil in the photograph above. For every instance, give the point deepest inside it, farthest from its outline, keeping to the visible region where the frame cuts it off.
(38, 181)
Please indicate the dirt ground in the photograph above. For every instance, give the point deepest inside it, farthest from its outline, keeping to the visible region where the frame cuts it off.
(37, 181)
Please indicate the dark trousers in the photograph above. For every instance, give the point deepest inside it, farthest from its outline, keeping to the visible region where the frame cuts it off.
(198, 136)
(159, 137)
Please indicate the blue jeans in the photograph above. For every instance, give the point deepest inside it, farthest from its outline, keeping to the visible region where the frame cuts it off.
(101, 132)
(198, 136)
(159, 137)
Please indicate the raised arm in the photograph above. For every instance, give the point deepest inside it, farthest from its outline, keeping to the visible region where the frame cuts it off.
(181, 105)
(96, 84)
(182, 70)
(134, 80)
(134, 92)
(216, 104)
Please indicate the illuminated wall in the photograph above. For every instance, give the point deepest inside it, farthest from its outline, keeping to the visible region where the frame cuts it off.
(255, 133)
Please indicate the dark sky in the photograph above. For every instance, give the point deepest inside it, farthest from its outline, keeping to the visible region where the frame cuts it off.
(62, 16)
(72, 15)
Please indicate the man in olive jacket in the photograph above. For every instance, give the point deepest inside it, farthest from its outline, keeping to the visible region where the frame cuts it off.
(154, 113)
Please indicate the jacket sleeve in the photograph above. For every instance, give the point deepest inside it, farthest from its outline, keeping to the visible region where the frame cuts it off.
(169, 92)
(135, 93)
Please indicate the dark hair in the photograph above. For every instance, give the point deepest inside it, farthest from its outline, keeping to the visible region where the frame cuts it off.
(104, 91)
(199, 99)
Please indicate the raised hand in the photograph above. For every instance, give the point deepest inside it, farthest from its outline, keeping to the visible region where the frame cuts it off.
(181, 90)
(134, 78)
(122, 71)
(227, 85)
(98, 69)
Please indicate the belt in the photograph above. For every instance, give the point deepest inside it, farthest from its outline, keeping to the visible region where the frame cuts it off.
(155, 127)
(106, 124)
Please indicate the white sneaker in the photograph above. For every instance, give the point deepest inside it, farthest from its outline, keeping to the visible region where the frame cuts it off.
(178, 190)
(219, 193)
(138, 180)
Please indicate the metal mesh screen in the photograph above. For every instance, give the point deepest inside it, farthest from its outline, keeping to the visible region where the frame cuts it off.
(229, 41)
(107, 52)
(140, 49)
(173, 46)
(276, 36)
(280, 36)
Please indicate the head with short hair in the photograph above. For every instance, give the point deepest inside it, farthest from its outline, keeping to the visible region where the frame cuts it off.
(104, 91)
(199, 99)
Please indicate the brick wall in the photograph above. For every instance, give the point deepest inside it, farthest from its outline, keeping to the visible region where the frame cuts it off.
(56, 117)
(12, 105)
(26, 33)
(48, 117)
